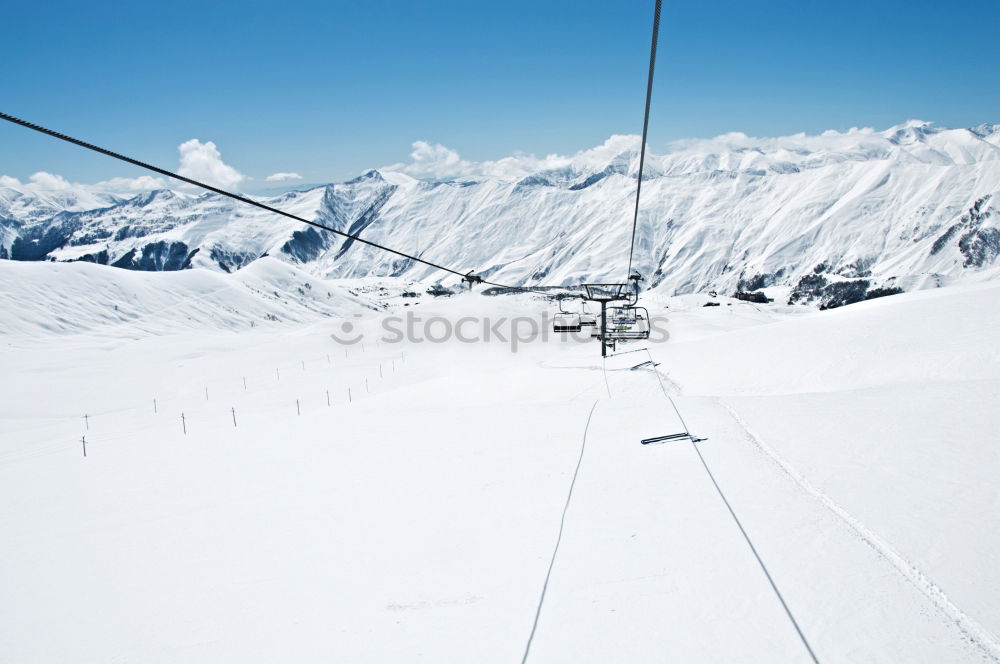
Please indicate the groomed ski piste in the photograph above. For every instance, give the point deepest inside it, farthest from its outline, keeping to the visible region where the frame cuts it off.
(456, 501)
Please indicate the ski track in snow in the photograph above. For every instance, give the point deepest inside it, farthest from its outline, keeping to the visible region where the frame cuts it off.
(562, 526)
(973, 631)
(976, 634)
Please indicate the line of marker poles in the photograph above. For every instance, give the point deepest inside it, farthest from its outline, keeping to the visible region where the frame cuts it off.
(277, 372)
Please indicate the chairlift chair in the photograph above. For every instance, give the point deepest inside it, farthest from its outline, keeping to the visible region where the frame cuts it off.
(565, 321)
(625, 323)
(595, 331)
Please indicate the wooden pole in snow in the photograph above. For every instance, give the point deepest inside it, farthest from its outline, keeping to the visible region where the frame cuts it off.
(298, 409)
(86, 421)
(234, 416)
(184, 424)
(83, 439)
(328, 397)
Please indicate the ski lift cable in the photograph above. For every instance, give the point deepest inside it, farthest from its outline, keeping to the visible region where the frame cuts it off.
(736, 519)
(753, 550)
(645, 129)
(466, 276)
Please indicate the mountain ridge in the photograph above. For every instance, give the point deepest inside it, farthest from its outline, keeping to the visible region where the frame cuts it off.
(841, 212)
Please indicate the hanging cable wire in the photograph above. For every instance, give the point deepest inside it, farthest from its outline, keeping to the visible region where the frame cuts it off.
(223, 192)
(466, 276)
(645, 128)
(732, 513)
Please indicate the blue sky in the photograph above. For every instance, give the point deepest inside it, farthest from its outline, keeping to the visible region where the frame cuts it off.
(329, 89)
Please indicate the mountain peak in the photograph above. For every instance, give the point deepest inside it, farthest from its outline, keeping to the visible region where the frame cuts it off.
(148, 197)
(911, 131)
(371, 174)
(396, 177)
(985, 130)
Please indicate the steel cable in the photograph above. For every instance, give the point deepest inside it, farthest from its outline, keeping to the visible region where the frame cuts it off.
(645, 129)
(249, 201)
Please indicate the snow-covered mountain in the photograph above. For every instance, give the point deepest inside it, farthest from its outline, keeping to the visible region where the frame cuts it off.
(831, 218)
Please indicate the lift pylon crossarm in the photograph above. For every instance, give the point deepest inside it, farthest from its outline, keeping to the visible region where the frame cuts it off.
(605, 292)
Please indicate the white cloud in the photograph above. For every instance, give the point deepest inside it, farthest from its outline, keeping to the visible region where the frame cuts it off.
(830, 140)
(282, 177)
(49, 182)
(438, 162)
(433, 161)
(43, 182)
(202, 161)
(139, 184)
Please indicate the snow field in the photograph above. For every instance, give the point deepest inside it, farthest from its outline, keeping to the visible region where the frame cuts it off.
(855, 447)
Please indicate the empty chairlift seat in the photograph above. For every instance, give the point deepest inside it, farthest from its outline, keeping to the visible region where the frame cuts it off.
(566, 322)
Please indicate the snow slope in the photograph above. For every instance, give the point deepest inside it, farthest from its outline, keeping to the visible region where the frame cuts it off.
(42, 299)
(887, 412)
(414, 501)
(829, 217)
